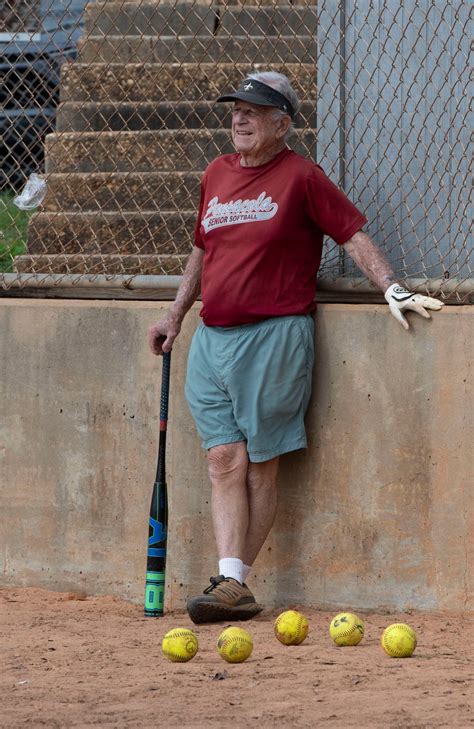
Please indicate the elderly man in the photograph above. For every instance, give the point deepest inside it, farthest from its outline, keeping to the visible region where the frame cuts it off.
(258, 240)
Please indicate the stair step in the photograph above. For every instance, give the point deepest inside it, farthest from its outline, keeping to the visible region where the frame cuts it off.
(132, 18)
(149, 82)
(171, 265)
(237, 20)
(266, 3)
(112, 233)
(78, 116)
(128, 191)
(197, 49)
(172, 151)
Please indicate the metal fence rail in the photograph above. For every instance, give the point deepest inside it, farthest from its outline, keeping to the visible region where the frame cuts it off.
(111, 103)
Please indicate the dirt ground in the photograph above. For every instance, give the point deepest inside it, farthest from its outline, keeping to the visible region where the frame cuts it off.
(75, 662)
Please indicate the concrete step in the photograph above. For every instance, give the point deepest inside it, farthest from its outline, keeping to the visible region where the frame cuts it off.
(198, 49)
(112, 233)
(146, 18)
(149, 18)
(128, 191)
(172, 265)
(264, 3)
(237, 20)
(147, 82)
(81, 116)
(173, 151)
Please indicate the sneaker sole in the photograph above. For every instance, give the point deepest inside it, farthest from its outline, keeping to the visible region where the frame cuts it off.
(208, 612)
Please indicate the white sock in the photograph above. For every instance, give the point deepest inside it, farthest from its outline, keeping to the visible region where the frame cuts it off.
(245, 571)
(232, 567)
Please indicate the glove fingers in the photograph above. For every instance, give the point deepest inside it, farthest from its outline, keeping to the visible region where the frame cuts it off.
(428, 302)
(399, 316)
(421, 311)
(401, 300)
(433, 304)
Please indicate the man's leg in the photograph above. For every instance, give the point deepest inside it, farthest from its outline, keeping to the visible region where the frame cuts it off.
(228, 466)
(244, 501)
(262, 505)
(243, 511)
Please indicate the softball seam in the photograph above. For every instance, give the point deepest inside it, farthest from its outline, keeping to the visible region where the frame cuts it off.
(177, 657)
(236, 639)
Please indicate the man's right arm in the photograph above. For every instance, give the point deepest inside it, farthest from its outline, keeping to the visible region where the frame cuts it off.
(162, 334)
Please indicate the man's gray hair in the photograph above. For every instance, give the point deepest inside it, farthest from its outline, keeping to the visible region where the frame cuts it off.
(281, 83)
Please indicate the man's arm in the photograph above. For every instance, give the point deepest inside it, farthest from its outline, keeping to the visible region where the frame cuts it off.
(162, 334)
(371, 261)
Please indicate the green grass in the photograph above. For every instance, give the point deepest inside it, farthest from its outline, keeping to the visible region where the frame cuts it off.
(13, 227)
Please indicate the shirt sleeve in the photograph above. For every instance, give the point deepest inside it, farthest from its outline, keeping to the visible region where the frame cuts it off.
(330, 209)
(198, 239)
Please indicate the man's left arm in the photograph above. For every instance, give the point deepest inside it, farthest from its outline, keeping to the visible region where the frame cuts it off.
(368, 257)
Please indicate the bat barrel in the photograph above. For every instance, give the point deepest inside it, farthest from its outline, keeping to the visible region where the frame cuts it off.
(154, 594)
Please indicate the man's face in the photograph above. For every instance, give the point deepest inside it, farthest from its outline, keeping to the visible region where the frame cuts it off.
(255, 129)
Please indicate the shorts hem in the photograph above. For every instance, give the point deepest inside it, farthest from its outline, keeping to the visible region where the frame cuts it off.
(294, 445)
(222, 440)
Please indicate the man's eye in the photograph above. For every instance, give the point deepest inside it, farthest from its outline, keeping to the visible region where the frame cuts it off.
(248, 113)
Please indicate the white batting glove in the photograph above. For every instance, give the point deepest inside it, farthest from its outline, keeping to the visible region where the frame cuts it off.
(400, 300)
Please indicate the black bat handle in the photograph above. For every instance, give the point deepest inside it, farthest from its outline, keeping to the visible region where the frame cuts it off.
(165, 392)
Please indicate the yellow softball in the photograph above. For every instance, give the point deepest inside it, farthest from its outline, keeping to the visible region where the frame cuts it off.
(235, 645)
(180, 645)
(291, 627)
(346, 629)
(398, 640)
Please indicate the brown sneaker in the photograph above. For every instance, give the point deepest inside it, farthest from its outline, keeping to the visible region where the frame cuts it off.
(224, 599)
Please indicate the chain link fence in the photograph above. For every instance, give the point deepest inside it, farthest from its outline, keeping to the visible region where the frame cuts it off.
(112, 104)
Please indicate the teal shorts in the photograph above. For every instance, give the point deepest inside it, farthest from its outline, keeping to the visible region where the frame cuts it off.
(252, 383)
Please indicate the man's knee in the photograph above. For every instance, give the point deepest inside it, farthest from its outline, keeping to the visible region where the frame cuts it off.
(227, 460)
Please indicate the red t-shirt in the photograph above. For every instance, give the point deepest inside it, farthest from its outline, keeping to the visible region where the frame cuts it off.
(262, 231)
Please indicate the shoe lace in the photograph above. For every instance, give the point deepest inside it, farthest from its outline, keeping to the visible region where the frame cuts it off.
(215, 581)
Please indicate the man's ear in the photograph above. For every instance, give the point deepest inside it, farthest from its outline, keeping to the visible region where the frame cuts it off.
(284, 125)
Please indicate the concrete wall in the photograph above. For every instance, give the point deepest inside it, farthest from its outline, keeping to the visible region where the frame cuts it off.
(376, 513)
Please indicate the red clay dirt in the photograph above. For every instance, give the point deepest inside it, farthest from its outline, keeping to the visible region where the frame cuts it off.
(71, 661)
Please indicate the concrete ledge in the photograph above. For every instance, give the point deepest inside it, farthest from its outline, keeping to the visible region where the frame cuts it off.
(377, 513)
(104, 264)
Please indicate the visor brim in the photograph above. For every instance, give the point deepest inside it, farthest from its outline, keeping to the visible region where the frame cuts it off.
(247, 96)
